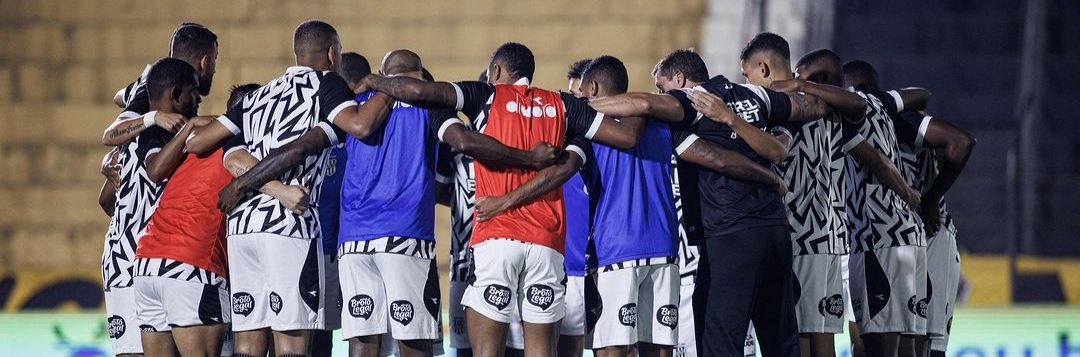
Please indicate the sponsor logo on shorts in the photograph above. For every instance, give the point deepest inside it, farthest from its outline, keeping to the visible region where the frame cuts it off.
(541, 296)
(668, 315)
(147, 328)
(361, 306)
(917, 306)
(497, 295)
(628, 315)
(243, 303)
(275, 302)
(401, 311)
(117, 327)
(832, 305)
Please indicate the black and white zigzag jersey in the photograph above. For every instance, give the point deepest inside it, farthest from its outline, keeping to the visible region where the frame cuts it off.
(278, 113)
(137, 195)
(878, 218)
(129, 92)
(457, 171)
(814, 172)
(921, 162)
(175, 269)
(689, 255)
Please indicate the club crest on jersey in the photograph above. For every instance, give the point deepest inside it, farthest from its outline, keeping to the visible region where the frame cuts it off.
(628, 315)
(401, 311)
(275, 302)
(117, 327)
(541, 296)
(147, 328)
(361, 306)
(917, 306)
(532, 110)
(243, 303)
(832, 305)
(497, 296)
(668, 315)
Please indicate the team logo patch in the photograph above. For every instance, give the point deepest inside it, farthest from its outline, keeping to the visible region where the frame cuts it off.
(243, 303)
(147, 328)
(117, 327)
(401, 311)
(668, 315)
(628, 315)
(917, 306)
(275, 302)
(497, 296)
(457, 324)
(541, 296)
(831, 305)
(361, 306)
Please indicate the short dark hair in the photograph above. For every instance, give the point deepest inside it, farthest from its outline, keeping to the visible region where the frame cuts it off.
(314, 36)
(766, 41)
(354, 67)
(483, 76)
(823, 54)
(827, 57)
(683, 60)
(168, 73)
(518, 59)
(577, 68)
(609, 72)
(191, 41)
(864, 72)
(240, 91)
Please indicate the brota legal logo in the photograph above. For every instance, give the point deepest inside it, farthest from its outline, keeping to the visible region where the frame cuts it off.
(541, 295)
(361, 306)
(402, 311)
(668, 315)
(497, 295)
(275, 302)
(832, 305)
(243, 303)
(117, 327)
(628, 315)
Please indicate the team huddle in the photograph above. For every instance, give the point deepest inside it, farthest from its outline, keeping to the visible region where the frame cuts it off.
(705, 219)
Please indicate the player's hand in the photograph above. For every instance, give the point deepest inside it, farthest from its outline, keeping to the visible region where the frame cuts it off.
(110, 167)
(912, 197)
(295, 198)
(369, 81)
(543, 155)
(711, 106)
(229, 197)
(488, 207)
(169, 121)
(787, 85)
(780, 187)
(931, 215)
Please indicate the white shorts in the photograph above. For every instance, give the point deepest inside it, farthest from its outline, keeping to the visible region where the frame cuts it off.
(943, 268)
(120, 313)
(687, 346)
(921, 304)
(884, 289)
(506, 272)
(166, 302)
(459, 334)
(820, 305)
(573, 324)
(387, 291)
(651, 290)
(845, 281)
(276, 282)
(331, 294)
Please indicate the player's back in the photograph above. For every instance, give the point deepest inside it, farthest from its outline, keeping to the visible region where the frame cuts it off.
(521, 117)
(388, 189)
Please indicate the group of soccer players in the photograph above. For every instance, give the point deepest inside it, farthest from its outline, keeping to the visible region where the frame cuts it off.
(580, 219)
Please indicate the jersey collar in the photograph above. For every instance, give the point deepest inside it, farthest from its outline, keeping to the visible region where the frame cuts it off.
(522, 82)
(298, 69)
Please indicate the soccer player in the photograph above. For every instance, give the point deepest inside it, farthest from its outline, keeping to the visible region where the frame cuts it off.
(136, 196)
(887, 265)
(110, 168)
(573, 75)
(936, 151)
(519, 252)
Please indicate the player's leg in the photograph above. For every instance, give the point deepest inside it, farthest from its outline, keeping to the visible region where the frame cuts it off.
(572, 329)
(515, 335)
(687, 346)
(364, 310)
(459, 339)
(121, 312)
(296, 284)
(152, 318)
(543, 298)
(250, 302)
(857, 347)
(199, 314)
(733, 264)
(492, 290)
(412, 290)
(159, 344)
(943, 268)
(200, 340)
(820, 305)
(322, 342)
(616, 328)
(658, 300)
(774, 306)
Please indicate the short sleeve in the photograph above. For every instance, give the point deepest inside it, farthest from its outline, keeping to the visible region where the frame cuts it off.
(581, 119)
(444, 165)
(910, 127)
(233, 119)
(441, 119)
(334, 96)
(471, 96)
(236, 142)
(580, 146)
(151, 140)
(682, 137)
(137, 106)
(690, 115)
(779, 107)
(894, 103)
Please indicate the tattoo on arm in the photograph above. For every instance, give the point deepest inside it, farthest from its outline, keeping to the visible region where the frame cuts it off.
(118, 132)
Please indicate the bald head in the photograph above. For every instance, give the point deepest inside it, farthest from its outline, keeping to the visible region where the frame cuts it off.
(401, 61)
